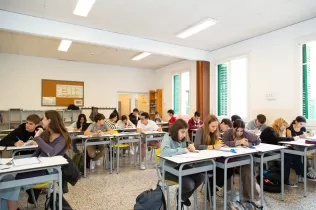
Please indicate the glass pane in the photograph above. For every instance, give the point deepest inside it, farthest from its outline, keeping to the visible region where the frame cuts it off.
(185, 93)
(176, 94)
(239, 83)
(124, 104)
(222, 74)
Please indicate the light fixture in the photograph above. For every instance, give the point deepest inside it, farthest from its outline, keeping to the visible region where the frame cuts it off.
(64, 45)
(197, 28)
(83, 7)
(141, 56)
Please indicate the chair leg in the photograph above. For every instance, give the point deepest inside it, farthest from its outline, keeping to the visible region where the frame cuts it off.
(195, 200)
(33, 197)
(202, 187)
(168, 197)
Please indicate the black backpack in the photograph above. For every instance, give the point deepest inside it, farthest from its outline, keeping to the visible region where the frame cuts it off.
(151, 200)
(72, 107)
(271, 181)
(49, 203)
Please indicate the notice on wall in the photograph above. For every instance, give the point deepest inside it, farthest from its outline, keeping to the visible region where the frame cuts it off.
(78, 102)
(69, 91)
(49, 101)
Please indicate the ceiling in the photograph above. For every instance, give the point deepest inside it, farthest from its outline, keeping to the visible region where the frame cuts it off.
(30, 45)
(162, 19)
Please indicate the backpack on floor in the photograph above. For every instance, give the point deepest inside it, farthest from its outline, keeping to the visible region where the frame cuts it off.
(271, 181)
(249, 205)
(78, 160)
(49, 203)
(235, 205)
(151, 200)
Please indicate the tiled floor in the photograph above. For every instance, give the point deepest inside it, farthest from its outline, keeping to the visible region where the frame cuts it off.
(104, 191)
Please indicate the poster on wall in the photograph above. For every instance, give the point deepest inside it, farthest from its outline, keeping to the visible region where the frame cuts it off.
(69, 91)
(49, 101)
(78, 102)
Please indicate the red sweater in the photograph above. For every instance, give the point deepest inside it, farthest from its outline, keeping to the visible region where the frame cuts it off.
(194, 125)
(172, 120)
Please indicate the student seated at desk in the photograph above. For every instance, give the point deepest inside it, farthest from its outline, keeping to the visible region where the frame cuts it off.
(172, 119)
(207, 138)
(98, 128)
(52, 142)
(111, 122)
(175, 143)
(124, 123)
(195, 122)
(235, 117)
(145, 124)
(298, 129)
(257, 125)
(134, 117)
(23, 133)
(225, 125)
(156, 118)
(276, 133)
(237, 136)
(80, 125)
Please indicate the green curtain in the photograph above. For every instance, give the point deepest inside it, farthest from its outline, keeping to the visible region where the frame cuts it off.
(222, 72)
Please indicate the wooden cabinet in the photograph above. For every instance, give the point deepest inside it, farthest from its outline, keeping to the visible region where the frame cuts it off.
(155, 102)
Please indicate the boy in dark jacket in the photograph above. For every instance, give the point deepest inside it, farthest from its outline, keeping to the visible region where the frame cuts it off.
(23, 133)
(133, 117)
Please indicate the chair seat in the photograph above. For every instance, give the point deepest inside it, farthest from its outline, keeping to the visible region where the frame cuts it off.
(171, 182)
(42, 185)
(120, 145)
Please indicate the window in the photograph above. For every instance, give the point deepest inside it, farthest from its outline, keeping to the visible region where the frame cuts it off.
(309, 80)
(232, 88)
(181, 93)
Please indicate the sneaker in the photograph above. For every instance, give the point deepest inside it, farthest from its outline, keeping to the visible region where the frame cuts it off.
(311, 174)
(300, 179)
(142, 166)
(92, 165)
(98, 162)
(290, 184)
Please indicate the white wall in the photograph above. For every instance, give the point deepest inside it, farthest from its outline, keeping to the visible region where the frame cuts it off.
(164, 81)
(274, 67)
(20, 83)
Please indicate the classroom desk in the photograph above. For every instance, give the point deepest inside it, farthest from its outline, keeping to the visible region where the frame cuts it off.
(308, 149)
(46, 163)
(92, 141)
(15, 149)
(126, 130)
(150, 136)
(241, 153)
(7, 131)
(189, 159)
(122, 138)
(269, 149)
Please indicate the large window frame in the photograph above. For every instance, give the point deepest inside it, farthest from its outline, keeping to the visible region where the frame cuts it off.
(178, 94)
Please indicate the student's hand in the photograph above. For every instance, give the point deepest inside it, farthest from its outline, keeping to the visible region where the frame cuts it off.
(33, 142)
(159, 129)
(139, 130)
(296, 138)
(257, 131)
(39, 132)
(19, 143)
(99, 133)
(186, 150)
(244, 142)
(80, 129)
(219, 146)
(304, 135)
(191, 148)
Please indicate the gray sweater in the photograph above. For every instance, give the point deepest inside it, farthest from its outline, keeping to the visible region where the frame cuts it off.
(228, 138)
(54, 148)
(253, 126)
(199, 139)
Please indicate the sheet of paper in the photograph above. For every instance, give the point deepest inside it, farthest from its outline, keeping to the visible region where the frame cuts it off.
(191, 155)
(4, 161)
(2, 167)
(26, 161)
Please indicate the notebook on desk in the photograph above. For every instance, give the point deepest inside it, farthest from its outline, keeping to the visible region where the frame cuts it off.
(26, 161)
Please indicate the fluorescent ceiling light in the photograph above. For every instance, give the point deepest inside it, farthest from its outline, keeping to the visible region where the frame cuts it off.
(141, 56)
(64, 45)
(83, 7)
(197, 28)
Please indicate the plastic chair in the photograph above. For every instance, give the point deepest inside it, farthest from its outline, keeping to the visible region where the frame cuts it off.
(40, 186)
(121, 146)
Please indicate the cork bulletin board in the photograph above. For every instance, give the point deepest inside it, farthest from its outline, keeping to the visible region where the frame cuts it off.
(62, 93)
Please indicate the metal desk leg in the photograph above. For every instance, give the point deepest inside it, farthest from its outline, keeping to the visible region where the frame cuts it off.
(145, 158)
(85, 159)
(261, 179)
(111, 156)
(251, 177)
(180, 186)
(305, 172)
(214, 184)
(282, 175)
(206, 189)
(54, 195)
(225, 183)
(118, 157)
(60, 190)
